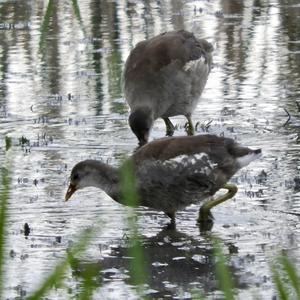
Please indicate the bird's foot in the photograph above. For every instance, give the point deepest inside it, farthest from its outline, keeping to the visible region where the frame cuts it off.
(172, 224)
(205, 219)
(189, 127)
(169, 132)
(169, 127)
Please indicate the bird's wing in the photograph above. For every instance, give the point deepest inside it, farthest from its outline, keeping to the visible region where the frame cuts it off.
(172, 147)
(176, 183)
(160, 51)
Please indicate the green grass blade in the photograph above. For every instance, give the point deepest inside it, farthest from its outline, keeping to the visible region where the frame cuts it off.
(87, 289)
(45, 24)
(128, 185)
(135, 250)
(197, 294)
(223, 273)
(137, 266)
(7, 143)
(4, 194)
(291, 273)
(88, 283)
(76, 10)
(283, 295)
(56, 276)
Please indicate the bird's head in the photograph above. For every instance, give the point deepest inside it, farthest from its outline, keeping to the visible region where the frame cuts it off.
(140, 122)
(90, 173)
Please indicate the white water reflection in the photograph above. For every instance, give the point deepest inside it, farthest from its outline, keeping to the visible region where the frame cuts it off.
(60, 88)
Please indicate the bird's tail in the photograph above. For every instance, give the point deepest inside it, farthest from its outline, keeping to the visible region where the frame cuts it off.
(249, 157)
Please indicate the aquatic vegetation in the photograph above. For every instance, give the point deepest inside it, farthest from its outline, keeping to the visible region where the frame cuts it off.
(4, 194)
(56, 277)
(130, 197)
(222, 272)
(23, 141)
(286, 278)
(7, 143)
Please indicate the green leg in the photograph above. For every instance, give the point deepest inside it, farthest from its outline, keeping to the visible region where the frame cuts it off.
(189, 126)
(204, 213)
(169, 126)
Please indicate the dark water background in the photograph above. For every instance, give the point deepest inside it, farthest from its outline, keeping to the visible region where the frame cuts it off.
(60, 72)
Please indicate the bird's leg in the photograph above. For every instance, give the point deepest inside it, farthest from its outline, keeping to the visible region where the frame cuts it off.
(204, 212)
(206, 223)
(172, 224)
(169, 126)
(189, 126)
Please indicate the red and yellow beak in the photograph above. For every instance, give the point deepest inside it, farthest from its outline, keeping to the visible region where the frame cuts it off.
(71, 190)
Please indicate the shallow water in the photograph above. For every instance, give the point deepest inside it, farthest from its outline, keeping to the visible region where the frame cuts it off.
(60, 72)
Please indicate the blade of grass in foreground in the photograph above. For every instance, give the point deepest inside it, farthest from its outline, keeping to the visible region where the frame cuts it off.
(290, 270)
(76, 10)
(223, 274)
(88, 285)
(197, 294)
(45, 24)
(283, 295)
(87, 289)
(7, 143)
(56, 276)
(130, 198)
(4, 193)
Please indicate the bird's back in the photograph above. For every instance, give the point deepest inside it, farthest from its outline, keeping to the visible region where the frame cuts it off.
(158, 52)
(169, 68)
(186, 169)
(217, 148)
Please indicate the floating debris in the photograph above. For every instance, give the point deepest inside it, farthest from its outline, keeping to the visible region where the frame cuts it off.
(159, 264)
(12, 253)
(7, 143)
(26, 230)
(261, 178)
(219, 14)
(297, 183)
(227, 111)
(23, 141)
(58, 239)
(256, 194)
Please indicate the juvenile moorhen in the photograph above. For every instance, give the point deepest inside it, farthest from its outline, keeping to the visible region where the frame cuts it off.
(171, 173)
(164, 77)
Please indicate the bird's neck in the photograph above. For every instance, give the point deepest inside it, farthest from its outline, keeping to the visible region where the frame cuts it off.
(107, 179)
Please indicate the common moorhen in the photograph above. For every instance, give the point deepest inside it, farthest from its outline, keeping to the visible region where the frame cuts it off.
(164, 77)
(171, 173)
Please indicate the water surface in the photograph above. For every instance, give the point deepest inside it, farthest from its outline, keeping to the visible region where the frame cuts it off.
(60, 89)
